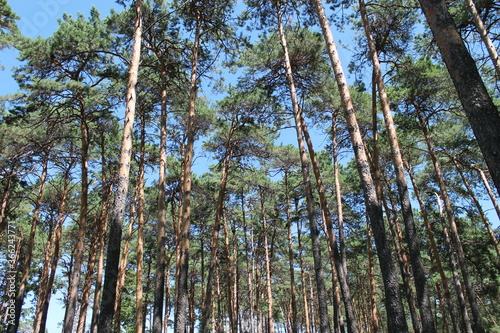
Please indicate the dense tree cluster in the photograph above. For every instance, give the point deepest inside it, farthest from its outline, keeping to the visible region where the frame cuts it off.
(377, 215)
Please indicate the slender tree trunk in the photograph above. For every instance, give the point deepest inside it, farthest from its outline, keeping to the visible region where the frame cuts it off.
(122, 267)
(395, 311)
(139, 303)
(374, 320)
(485, 220)
(457, 243)
(207, 304)
(168, 308)
(185, 223)
(50, 260)
(311, 211)
(435, 253)
(267, 259)
(103, 218)
(249, 262)
(303, 279)
(162, 220)
(74, 280)
(5, 197)
(100, 225)
(89, 275)
(340, 262)
(412, 238)
(454, 269)
(397, 237)
(105, 324)
(488, 189)
(293, 288)
(30, 246)
(230, 277)
(483, 32)
(482, 113)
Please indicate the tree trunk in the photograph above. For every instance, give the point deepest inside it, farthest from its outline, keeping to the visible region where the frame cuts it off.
(412, 238)
(339, 259)
(74, 280)
(311, 210)
(249, 261)
(454, 269)
(30, 246)
(122, 267)
(374, 320)
(477, 103)
(219, 209)
(488, 189)
(303, 278)
(484, 36)
(139, 303)
(50, 261)
(230, 278)
(162, 220)
(395, 311)
(435, 253)
(485, 220)
(5, 197)
(293, 289)
(397, 237)
(89, 275)
(105, 324)
(185, 223)
(457, 244)
(103, 226)
(269, 292)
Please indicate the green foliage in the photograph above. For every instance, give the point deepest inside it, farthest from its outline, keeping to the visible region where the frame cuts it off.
(9, 31)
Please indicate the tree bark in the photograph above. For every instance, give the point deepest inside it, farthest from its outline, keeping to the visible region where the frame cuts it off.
(453, 262)
(412, 238)
(185, 223)
(311, 210)
(435, 253)
(105, 322)
(50, 261)
(486, 222)
(103, 226)
(488, 189)
(267, 259)
(30, 246)
(293, 288)
(219, 209)
(483, 32)
(122, 267)
(457, 243)
(139, 303)
(395, 311)
(303, 275)
(477, 103)
(162, 220)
